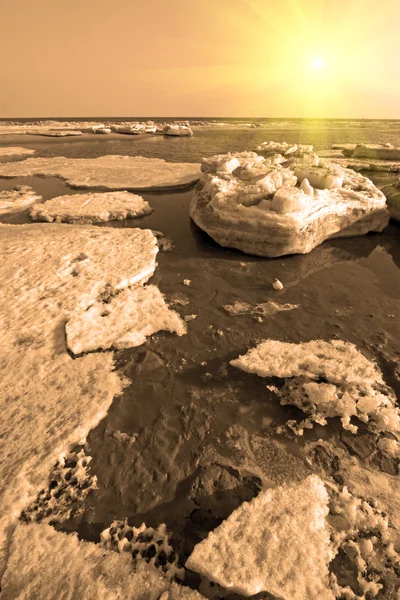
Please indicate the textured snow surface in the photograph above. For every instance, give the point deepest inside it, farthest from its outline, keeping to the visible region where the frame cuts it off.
(15, 151)
(91, 208)
(48, 565)
(144, 544)
(125, 321)
(17, 199)
(326, 379)
(278, 542)
(50, 401)
(274, 206)
(112, 172)
(180, 592)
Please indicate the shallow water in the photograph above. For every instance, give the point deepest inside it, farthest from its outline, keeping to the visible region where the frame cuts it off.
(202, 432)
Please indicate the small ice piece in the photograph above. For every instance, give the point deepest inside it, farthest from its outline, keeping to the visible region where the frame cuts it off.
(187, 282)
(124, 322)
(91, 208)
(178, 130)
(17, 199)
(277, 285)
(306, 187)
(319, 177)
(277, 543)
(289, 199)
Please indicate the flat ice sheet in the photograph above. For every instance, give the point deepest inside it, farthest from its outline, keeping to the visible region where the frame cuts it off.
(91, 208)
(112, 172)
(48, 400)
(15, 151)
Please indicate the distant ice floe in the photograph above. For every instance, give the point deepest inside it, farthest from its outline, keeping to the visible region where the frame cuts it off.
(112, 172)
(91, 208)
(50, 401)
(267, 309)
(277, 543)
(17, 199)
(178, 130)
(325, 380)
(285, 203)
(14, 151)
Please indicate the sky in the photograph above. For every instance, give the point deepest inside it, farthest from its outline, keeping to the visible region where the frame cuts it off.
(205, 58)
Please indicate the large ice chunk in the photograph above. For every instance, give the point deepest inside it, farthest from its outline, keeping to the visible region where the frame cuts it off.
(392, 193)
(237, 207)
(125, 321)
(91, 208)
(277, 543)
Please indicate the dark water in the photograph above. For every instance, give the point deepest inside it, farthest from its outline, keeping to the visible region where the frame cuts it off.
(205, 432)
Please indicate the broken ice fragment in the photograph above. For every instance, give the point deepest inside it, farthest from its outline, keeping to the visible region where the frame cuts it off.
(126, 321)
(277, 543)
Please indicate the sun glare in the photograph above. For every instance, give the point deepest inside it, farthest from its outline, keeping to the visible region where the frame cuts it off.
(318, 63)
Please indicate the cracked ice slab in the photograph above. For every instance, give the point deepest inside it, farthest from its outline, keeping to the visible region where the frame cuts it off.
(15, 151)
(278, 543)
(91, 208)
(124, 322)
(112, 172)
(17, 199)
(48, 564)
(392, 193)
(50, 401)
(326, 379)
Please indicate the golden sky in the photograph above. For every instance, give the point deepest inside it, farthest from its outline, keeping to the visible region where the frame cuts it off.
(254, 58)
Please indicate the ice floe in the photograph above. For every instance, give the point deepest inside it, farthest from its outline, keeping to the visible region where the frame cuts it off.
(268, 207)
(277, 543)
(17, 199)
(178, 130)
(392, 193)
(50, 401)
(376, 151)
(49, 565)
(91, 208)
(59, 133)
(326, 379)
(112, 172)
(14, 151)
(124, 322)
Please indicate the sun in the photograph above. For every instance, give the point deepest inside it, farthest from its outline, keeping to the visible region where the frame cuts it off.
(318, 63)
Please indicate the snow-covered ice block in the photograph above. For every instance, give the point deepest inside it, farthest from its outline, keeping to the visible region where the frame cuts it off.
(326, 379)
(47, 564)
(14, 151)
(91, 208)
(112, 172)
(124, 322)
(17, 199)
(49, 401)
(238, 208)
(277, 543)
(377, 151)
